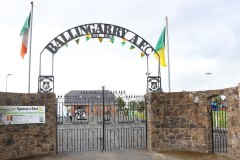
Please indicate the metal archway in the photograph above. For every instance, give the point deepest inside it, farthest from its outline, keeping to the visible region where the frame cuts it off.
(96, 30)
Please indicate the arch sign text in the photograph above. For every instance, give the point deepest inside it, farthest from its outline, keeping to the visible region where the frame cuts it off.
(94, 30)
(99, 30)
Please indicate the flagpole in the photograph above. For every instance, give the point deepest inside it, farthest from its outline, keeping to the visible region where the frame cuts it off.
(30, 49)
(159, 69)
(169, 82)
(147, 66)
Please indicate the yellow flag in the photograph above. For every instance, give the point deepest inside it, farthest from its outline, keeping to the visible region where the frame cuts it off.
(162, 57)
(160, 49)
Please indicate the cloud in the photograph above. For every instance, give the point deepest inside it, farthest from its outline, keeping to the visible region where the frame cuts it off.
(203, 35)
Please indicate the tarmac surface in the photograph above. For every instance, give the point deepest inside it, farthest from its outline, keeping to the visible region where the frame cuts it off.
(118, 155)
(134, 155)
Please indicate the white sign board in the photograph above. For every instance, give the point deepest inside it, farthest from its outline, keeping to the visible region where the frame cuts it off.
(22, 114)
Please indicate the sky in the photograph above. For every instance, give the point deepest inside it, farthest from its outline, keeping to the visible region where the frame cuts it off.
(204, 37)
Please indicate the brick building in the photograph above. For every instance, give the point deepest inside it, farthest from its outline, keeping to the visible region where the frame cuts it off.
(89, 102)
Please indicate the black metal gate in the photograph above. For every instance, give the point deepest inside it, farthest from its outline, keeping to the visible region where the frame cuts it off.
(100, 120)
(219, 124)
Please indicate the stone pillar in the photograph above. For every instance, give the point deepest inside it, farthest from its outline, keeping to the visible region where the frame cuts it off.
(178, 121)
(239, 95)
(149, 122)
(233, 124)
(22, 141)
(181, 121)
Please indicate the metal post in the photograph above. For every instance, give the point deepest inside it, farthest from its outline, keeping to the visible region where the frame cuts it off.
(146, 120)
(6, 80)
(52, 63)
(147, 75)
(103, 119)
(40, 64)
(208, 76)
(56, 128)
(212, 122)
(159, 68)
(52, 69)
(169, 81)
(30, 48)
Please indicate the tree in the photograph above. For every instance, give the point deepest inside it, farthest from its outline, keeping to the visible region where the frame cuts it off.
(137, 106)
(132, 105)
(120, 104)
(141, 106)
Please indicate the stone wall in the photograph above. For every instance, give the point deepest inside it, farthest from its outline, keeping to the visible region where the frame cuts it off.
(181, 121)
(28, 140)
(233, 124)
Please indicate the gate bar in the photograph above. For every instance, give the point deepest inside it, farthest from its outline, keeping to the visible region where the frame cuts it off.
(103, 120)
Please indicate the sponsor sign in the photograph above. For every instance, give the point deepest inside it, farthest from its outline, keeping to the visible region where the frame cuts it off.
(22, 114)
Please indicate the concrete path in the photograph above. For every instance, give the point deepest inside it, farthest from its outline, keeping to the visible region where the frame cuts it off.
(118, 155)
(134, 155)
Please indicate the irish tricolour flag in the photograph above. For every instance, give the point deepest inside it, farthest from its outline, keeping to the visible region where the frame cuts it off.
(24, 35)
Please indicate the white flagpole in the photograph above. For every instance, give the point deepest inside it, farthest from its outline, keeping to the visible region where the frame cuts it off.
(30, 48)
(159, 68)
(169, 82)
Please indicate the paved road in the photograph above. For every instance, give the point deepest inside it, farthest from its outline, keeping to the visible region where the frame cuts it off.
(135, 155)
(121, 155)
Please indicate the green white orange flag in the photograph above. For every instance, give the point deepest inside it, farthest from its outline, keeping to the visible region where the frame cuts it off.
(160, 47)
(24, 35)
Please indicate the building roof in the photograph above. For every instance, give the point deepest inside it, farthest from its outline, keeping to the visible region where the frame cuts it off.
(84, 97)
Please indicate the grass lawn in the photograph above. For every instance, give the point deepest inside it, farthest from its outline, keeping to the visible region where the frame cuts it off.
(219, 119)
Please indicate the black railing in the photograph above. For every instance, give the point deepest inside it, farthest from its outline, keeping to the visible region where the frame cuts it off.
(219, 130)
(105, 123)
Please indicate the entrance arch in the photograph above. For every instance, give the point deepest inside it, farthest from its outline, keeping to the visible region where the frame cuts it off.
(114, 121)
(95, 30)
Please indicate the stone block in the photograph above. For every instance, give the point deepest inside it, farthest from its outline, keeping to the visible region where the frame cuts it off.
(16, 140)
(185, 125)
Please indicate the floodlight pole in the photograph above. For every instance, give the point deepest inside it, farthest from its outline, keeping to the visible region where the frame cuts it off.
(7, 79)
(208, 74)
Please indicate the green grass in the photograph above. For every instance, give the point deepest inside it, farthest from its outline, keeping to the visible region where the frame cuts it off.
(140, 115)
(219, 119)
